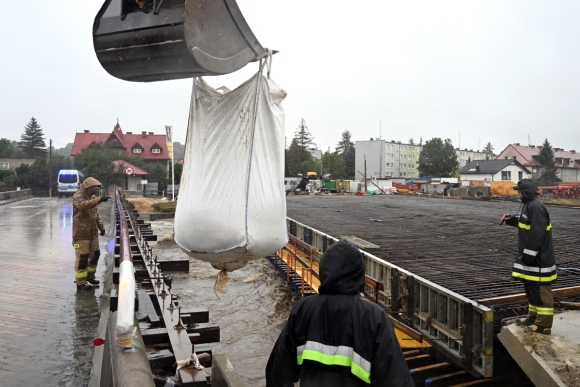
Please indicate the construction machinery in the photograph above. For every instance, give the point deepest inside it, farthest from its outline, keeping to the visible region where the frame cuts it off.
(159, 40)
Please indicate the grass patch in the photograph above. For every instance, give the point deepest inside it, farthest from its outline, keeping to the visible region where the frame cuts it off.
(562, 202)
(165, 206)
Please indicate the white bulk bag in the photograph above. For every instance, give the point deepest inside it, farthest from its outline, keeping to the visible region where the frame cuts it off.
(232, 205)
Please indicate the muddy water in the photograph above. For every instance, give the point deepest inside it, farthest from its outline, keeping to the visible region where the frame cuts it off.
(250, 315)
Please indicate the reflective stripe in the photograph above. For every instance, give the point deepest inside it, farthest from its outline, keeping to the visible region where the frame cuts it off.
(529, 226)
(534, 269)
(524, 226)
(332, 355)
(81, 275)
(531, 308)
(534, 278)
(545, 311)
(91, 269)
(530, 252)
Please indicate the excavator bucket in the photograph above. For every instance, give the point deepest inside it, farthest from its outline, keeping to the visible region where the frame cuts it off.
(159, 40)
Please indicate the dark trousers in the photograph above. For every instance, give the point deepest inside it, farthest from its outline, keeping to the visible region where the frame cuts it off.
(541, 303)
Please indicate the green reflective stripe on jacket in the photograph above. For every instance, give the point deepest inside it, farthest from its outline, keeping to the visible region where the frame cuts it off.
(531, 308)
(529, 226)
(534, 278)
(335, 360)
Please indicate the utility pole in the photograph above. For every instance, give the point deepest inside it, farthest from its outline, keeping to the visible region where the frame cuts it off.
(365, 173)
(169, 133)
(50, 168)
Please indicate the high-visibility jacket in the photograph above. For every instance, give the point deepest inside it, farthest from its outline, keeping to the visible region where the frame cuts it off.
(86, 219)
(536, 262)
(336, 338)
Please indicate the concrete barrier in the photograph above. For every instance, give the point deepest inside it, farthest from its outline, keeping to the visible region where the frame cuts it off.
(15, 196)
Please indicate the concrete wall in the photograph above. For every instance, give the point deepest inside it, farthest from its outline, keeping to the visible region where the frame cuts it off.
(14, 196)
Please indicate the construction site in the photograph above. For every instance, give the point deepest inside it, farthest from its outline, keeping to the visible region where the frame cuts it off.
(442, 269)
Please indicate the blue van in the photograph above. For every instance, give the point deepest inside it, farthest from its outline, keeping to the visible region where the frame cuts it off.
(69, 181)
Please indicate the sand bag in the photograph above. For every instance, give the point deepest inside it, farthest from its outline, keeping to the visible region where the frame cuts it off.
(231, 206)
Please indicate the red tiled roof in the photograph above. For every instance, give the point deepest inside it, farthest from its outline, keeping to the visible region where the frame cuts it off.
(529, 153)
(127, 141)
(121, 167)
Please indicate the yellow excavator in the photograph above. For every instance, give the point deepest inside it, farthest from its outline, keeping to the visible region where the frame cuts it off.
(159, 40)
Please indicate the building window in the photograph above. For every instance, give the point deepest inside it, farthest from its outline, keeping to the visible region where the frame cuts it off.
(137, 150)
(4, 166)
(155, 150)
(520, 175)
(506, 175)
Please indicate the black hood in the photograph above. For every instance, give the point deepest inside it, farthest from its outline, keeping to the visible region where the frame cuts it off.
(342, 270)
(528, 188)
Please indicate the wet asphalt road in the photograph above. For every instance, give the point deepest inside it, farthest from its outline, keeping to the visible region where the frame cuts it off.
(46, 327)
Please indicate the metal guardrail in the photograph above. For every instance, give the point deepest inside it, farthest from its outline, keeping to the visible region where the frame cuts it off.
(456, 326)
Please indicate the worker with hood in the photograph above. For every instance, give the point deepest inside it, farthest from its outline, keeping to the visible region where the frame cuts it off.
(535, 264)
(86, 226)
(337, 338)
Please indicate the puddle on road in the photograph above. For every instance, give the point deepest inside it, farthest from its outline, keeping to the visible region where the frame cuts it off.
(250, 315)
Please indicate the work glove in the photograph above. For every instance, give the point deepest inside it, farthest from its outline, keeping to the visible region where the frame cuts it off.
(102, 232)
(104, 198)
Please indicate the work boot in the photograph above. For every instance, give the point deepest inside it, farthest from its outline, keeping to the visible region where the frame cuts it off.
(94, 282)
(84, 287)
(538, 329)
(527, 321)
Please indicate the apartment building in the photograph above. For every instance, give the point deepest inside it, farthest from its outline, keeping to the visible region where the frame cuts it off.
(387, 158)
(398, 159)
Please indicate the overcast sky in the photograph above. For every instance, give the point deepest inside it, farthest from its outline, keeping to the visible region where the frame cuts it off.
(472, 71)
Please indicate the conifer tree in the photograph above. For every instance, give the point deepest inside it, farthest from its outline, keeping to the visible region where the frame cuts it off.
(32, 140)
(346, 150)
(548, 173)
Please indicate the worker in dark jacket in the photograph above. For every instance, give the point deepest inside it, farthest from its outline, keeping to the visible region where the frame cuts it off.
(336, 338)
(536, 263)
(86, 226)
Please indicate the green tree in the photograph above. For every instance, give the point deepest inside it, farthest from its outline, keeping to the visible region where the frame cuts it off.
(158, 174)
(96, 161)
(38, 175)
(346, 150)
(488, 149)
(312, 165)
(304, 139)
(295, 156)
(333, 163)
(438, 158)
(548, 170)
(177, 170)
(8, 149)
(32, 140)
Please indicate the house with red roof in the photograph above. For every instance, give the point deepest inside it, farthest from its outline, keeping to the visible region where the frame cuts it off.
(567, 162)
(135, 177)
(152, 147)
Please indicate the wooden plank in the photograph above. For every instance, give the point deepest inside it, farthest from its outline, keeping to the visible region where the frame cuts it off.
(521, 297)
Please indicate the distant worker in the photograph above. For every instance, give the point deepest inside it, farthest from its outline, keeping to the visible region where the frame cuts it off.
(336, 338)
(535, 264)
(86, 226)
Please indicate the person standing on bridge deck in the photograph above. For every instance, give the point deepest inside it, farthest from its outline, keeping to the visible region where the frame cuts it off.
(336, 338)
(536, 262)
(86, 226)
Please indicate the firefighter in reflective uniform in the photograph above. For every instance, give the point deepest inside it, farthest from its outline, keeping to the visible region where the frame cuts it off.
(336, 338)
(536, 263)
(86, 226)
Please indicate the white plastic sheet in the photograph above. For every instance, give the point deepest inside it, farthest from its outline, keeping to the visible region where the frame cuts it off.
(232, 206)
